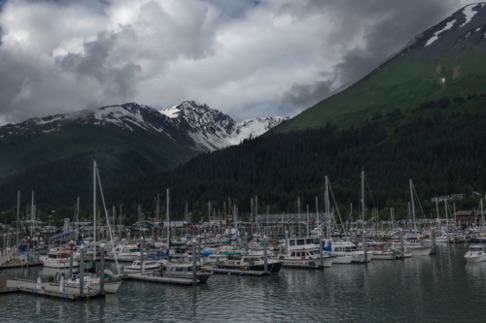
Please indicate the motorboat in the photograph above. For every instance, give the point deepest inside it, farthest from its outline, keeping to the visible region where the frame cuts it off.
(184, 270)
(475, 253)
(127, 252)
(59, 258)
(251, 263)
(137, 266)
(111, 282)
(346, 252)
(306, 258)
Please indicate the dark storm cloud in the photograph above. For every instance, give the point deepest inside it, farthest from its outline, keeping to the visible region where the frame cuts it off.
(385, 27)
(246, 58)
(120, 79)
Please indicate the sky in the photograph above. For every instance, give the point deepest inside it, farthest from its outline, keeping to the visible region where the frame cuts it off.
(246, 58)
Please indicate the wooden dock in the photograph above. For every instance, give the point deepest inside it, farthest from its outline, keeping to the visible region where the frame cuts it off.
(47, 289)
(159, 279)
(223, 271)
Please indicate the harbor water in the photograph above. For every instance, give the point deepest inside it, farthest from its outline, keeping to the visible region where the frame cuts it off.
(438, 288)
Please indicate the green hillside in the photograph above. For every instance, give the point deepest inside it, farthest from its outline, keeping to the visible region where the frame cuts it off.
(443, 150)
(401, 84)
(59, 164)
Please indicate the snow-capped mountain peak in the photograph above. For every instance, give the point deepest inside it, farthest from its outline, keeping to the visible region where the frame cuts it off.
(205, 129)
(458, 32)
(212, 129)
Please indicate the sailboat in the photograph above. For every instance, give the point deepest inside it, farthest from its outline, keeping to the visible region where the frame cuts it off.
(415, 245)
(345, 251)
(111, 281)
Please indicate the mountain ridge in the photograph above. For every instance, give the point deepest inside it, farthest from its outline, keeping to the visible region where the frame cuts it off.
(439, 62)
(130, 141)
(209, 129)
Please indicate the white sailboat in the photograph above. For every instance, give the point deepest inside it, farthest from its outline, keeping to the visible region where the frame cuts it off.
(415, 246)
(111, 281)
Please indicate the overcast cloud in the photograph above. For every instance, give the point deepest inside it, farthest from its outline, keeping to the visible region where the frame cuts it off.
(246, 58)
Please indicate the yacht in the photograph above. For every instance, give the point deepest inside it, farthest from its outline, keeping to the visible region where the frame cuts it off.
(251, 263)
(127, 252)
(111, 282)
(184, 270)
(306, 258)
(475, 253)
(137, 266)
(347, 252)
(59, 258)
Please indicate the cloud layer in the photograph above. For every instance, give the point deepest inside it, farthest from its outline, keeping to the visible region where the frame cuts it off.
(246, 58)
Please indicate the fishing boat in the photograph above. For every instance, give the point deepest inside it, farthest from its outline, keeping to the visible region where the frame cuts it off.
(138, 266)
(58, 258)
(347, 252)
(382, 251)
(475, 253)
(126, 252)
(184, 270)
(251, 263)
(110, 285)
(213, 259)
(306, 258)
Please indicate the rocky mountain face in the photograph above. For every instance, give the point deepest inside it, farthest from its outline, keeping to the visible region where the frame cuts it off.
(211, 129)
(208, 129)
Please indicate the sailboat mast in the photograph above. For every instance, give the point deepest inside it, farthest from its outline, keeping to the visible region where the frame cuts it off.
(157, 220)
(18, 218)
(362, 199)
(94, 209)
(327, 209)
(482, 214)
(32, 216)
(167, 219)
(363, 217)
(76, 219)
(413, 207)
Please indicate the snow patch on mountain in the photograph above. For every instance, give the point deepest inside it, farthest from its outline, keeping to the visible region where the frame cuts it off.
(208, 129)
(437, 33)
(469, 13)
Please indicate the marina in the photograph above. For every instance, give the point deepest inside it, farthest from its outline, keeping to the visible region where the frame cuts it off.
(441, 287)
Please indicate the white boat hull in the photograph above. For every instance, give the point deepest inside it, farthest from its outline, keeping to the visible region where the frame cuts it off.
(342, 259)
(110, 287)
(420, 251)
(475, 254)
(384, 255)
(58, 264)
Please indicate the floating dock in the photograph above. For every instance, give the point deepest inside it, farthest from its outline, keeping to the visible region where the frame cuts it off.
(20, 264)
(297, 266)
(46, 289)
(223, 271)
(160, 279)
